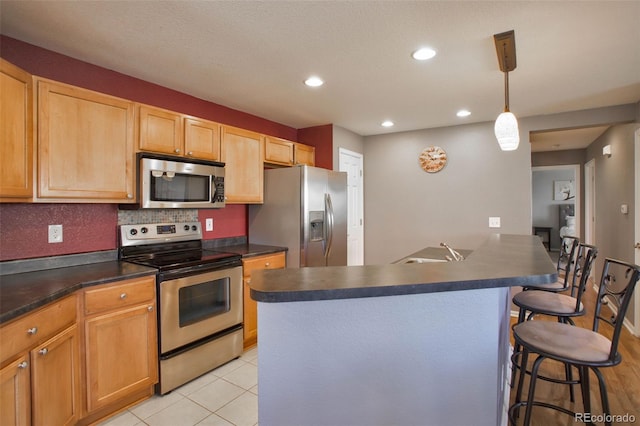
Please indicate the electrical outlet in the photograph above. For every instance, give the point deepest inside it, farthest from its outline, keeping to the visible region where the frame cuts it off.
(209, 224)
(55, 233)
(494, 222)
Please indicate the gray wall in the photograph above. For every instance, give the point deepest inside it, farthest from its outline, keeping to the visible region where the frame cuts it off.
(408, 209)
(343, 138)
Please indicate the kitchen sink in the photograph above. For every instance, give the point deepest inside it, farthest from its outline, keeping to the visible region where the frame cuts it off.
(421, 260)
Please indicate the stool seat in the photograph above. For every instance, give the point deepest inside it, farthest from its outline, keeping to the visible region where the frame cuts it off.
(555, 287)
(547, 303)
(565, 342)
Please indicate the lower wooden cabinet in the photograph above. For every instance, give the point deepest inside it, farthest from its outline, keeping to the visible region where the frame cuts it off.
(120, 343)
(40, 378)
(270, 261)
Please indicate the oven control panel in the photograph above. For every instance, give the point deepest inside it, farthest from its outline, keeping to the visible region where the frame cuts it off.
(153, 233)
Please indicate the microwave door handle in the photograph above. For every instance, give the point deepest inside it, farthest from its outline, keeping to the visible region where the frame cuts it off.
(329, 218)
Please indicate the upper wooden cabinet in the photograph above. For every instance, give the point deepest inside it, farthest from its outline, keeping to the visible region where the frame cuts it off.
(278, 151)
(304, 154)
(243, 155)
(85, 145)
(201, 139)
(16, 133)
(168, 132)
(160, 130)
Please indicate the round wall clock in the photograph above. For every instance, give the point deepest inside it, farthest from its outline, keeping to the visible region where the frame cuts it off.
(433, 159)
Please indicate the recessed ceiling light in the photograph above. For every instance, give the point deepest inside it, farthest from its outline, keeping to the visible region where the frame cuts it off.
(314, 81)
(387, 123)
(463, 113)
(423, 54)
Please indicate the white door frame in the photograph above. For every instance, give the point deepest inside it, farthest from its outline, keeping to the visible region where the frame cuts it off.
(590, 202)
(355, 211)
(636, 302)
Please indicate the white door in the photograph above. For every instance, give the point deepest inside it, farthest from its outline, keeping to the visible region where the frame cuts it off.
(590, 202)
(636, 316)
(351, 162)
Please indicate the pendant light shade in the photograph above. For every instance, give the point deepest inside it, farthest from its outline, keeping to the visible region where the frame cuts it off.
(506, 130)
(506, 127)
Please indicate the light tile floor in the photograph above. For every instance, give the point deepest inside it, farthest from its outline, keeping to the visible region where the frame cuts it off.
(225, 396)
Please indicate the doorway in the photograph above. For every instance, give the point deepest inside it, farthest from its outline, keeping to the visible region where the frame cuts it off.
(351, 162)
(590, 202)
(549, 209)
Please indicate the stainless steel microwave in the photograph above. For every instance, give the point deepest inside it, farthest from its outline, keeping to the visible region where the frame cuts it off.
(176, 183)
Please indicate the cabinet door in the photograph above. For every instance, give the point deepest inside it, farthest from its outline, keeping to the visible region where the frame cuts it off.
(250, 320)
(85, 148)
(201, 139)
(160, 130)
(278, 151)
(121, 354)
(55, 367)
(243, 154)
(305, 154)
(16, 133)
(15, 393)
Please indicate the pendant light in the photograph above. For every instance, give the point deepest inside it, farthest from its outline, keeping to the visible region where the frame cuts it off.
(506, 127)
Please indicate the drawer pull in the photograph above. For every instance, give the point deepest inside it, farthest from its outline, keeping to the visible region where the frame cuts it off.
(150, 308)
(43, 351)
(23, 365)
(123, 296)
(32, 330)
(267, 264)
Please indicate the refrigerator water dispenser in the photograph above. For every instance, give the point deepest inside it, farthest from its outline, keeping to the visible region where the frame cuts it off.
(316, 231)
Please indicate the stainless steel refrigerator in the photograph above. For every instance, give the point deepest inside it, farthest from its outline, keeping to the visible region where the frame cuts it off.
(305, 210)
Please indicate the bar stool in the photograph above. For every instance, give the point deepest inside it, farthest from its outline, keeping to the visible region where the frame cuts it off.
(564, 307)
(566, 262)
(575, 346)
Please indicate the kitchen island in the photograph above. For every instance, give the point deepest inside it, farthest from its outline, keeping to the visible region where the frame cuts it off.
(404, 344)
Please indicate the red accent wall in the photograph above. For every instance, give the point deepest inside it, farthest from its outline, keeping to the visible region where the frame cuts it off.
(23, 227)
(85, 228)
(321, 137)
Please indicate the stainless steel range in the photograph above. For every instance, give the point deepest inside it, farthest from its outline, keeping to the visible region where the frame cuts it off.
(199, 298)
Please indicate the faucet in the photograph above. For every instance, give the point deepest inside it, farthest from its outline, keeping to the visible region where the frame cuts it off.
(455, 255)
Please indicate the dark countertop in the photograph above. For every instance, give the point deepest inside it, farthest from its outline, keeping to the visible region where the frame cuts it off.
(502, 261)
(24, 292)
(251, 250)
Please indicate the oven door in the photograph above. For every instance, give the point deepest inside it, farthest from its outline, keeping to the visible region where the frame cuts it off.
(198, 306)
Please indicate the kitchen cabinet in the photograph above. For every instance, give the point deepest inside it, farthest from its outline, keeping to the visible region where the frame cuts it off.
(40, 375)
(167, 132)
(16, 133)
(304, 154)
(243, 154)
(270, 261)
(120, 344)
(85, 145)
(278, 151)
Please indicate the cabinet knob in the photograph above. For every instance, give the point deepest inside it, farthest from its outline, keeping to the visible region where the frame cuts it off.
(43, 351)
(23, 365)
(267, 264)
(123, 296)
(150, 308)
(129, 196)
(177, 150)
(32, 330)
(190, 153)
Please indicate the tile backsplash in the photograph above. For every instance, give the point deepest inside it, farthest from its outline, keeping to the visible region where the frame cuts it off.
(135, 217)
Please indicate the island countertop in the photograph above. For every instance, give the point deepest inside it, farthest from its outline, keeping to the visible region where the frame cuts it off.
(504, 260)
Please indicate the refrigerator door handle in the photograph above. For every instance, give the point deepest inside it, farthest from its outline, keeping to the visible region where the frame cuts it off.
(328, 206)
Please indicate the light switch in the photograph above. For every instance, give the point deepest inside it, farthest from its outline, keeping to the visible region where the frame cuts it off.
(494, 222)
(208, 224)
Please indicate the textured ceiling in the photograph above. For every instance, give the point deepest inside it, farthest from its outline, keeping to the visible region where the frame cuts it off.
(253, 56)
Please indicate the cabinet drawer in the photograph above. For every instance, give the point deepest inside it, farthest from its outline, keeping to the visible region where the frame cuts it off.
(274, 261)
(35, 327)
(125, 293)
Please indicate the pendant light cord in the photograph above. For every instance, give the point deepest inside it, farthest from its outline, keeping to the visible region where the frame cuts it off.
(506, 78)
